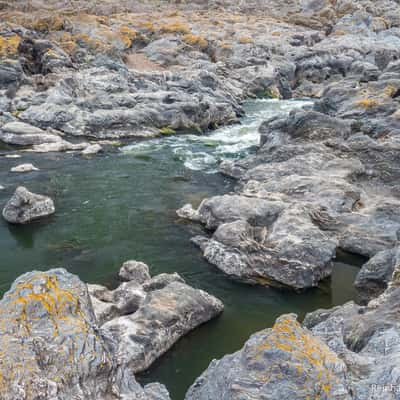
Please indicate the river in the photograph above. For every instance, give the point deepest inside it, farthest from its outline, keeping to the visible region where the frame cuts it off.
(121, 205)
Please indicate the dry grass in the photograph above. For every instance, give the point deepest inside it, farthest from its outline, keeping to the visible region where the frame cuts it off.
(176, 27)
(196, 40)
(246, 39)
(140, 62)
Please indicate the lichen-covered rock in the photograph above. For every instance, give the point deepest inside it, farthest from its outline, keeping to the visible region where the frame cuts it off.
(367, 340)
(25, 207)
(285, 362)
(51, 347)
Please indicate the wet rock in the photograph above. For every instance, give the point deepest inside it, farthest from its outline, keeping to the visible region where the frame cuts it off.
(52, 347)
(163, 317)
(286, 361)
(134, 271)
(24, 168)
(25, 207)
(92, 150)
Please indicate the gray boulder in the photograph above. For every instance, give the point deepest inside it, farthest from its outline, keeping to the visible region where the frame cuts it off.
(164, 316)
(375, 275)
(285, 362)
(25, 207)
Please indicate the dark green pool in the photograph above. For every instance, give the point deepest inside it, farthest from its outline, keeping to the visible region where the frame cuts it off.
(121, 206)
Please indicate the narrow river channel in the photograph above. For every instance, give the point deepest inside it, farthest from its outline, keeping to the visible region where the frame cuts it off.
(121, 205)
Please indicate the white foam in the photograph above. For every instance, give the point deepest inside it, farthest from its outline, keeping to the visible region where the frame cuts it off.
(205, 152)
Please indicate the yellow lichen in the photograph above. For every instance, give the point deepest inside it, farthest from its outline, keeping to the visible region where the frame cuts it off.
(308, 355)
(196, 40)
(367, 103)
(9, 45)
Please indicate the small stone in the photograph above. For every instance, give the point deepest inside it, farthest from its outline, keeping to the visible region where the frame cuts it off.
(24, 168)
(13, 156)
(92, 150)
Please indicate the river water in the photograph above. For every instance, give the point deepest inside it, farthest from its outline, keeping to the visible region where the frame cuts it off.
(121, 205)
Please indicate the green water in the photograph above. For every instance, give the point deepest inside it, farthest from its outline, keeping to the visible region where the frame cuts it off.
(121, 205)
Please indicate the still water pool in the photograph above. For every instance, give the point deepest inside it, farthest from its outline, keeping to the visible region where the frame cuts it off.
(121, 205)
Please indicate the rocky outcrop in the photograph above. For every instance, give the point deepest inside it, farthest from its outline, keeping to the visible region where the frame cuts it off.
(145, 316)
(52, 348)
(348, 352)
(25, 207)
(286, 362)
(367, 340)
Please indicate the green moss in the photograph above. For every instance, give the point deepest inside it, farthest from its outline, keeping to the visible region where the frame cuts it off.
(167, 131)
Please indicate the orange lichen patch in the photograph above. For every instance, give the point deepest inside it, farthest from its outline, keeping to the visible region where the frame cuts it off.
(307, 355)
(276, 33)
(367, 103)
(245, 39)
(176, 27)
(59, 304)
(128, 35)
(196, 40)
(9, 45)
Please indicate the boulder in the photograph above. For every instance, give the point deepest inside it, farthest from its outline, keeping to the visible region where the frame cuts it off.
(52, 348)
(164, 316)
(284, 362)
(25, 207)
(375, 275)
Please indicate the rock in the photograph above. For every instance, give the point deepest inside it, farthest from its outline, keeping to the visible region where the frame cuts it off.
(134, 271)
(25, 207)
(375, 275)
(10, 73)
(367, 339)
(59, 146)
(24, 168)
(13, 156)
(2, 187)
(52, 348)
(91, 150)
(20, 133)
(163, 317)
(285, 362)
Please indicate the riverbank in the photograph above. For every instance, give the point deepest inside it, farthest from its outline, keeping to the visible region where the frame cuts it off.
(323, 179)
